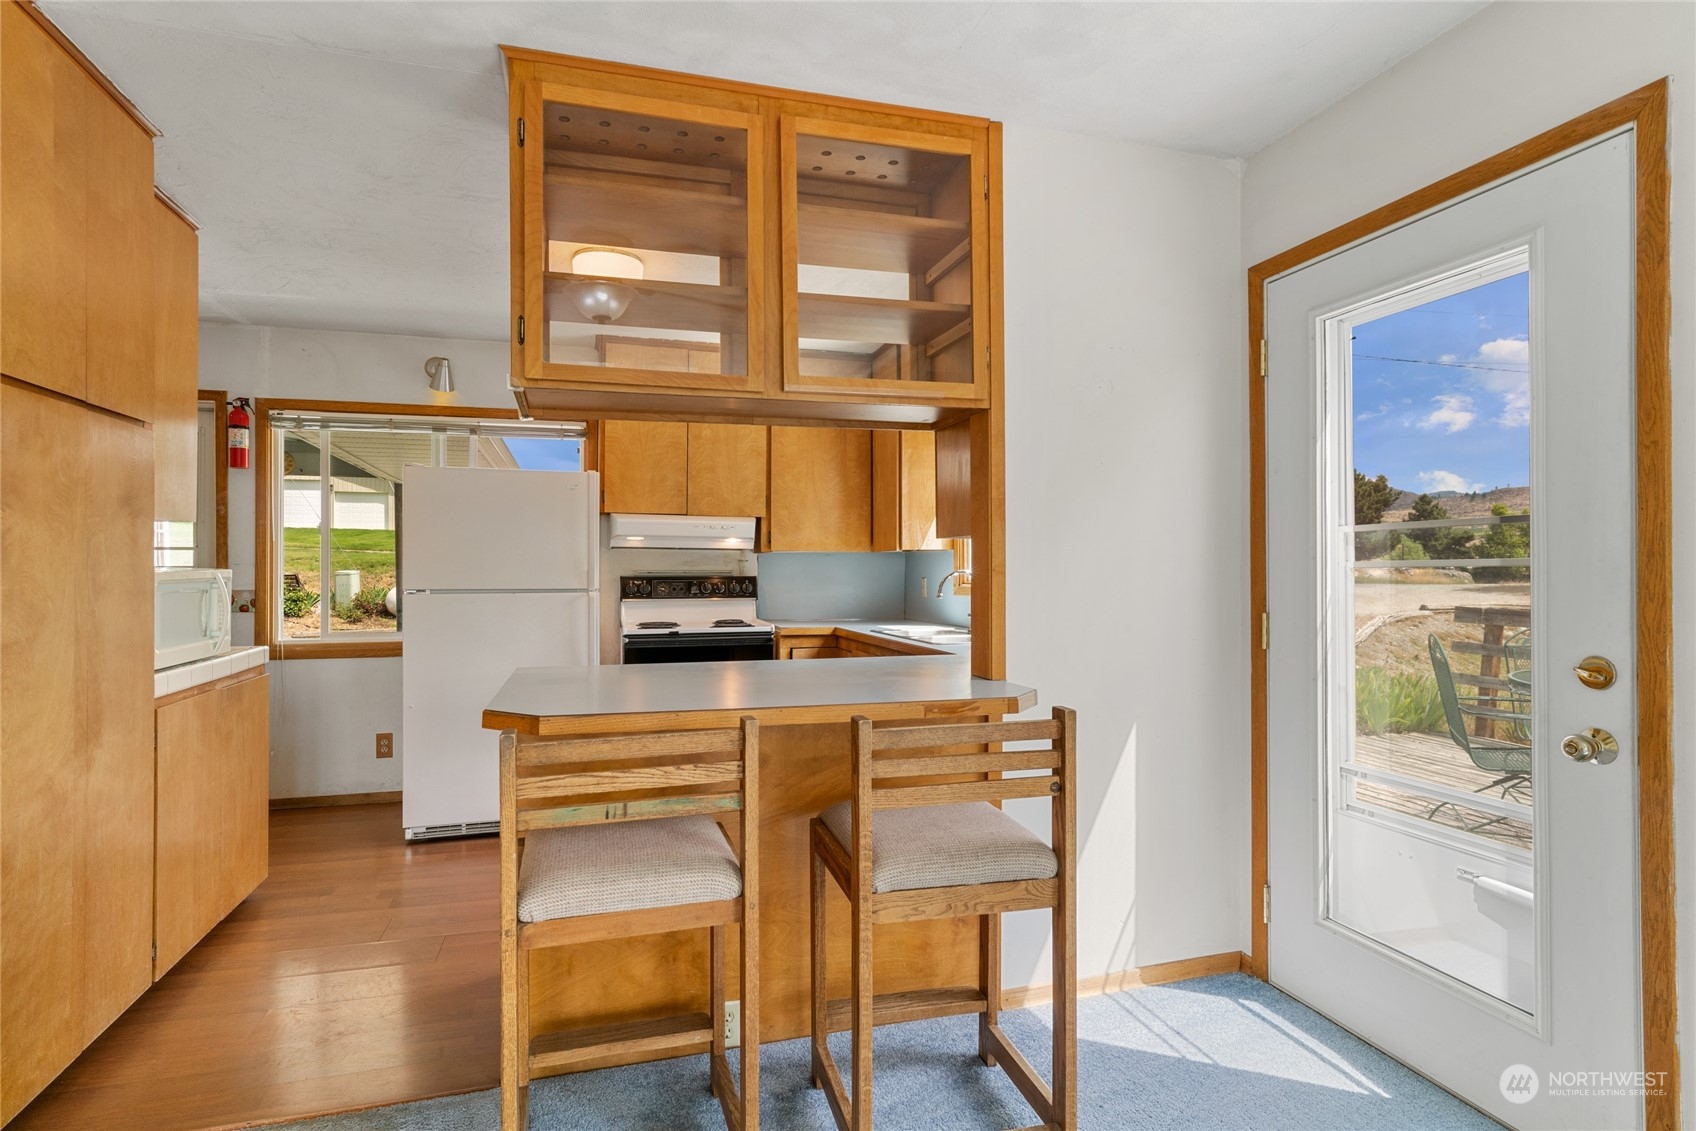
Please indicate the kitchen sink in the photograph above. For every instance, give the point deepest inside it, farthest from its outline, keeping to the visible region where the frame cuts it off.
(941, 634)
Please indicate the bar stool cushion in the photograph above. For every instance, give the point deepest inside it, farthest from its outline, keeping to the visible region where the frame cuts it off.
(941, 846)
(625, 866)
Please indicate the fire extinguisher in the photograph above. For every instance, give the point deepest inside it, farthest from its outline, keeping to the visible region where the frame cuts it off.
(241, 423)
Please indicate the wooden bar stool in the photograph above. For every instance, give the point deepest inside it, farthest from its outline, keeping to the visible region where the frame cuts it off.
(611, 837)
(904, 851)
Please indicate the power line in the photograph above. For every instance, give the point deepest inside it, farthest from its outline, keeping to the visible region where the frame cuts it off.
(1445, 364)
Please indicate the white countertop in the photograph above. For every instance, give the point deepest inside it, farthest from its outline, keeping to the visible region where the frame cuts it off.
(169, 681)
(771, 688)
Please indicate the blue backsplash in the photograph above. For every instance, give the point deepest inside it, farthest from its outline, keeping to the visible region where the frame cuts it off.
(826, 587)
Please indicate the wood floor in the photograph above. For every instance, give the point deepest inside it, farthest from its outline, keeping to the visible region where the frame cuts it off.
(353, 977)
(1436, 758)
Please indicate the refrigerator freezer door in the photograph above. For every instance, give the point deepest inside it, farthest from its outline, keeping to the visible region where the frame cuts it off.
(460, 649)
(486, 529)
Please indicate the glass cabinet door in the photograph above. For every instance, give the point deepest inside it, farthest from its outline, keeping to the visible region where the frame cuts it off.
(642, 216)
(885, 262)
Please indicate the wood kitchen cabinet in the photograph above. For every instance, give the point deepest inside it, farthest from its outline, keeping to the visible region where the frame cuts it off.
(795, 257)
(644, 467)
(727, 469)
(77, 237)
(176, 369)
(820, 491)
(904, 491)
(44, 99)
(76, 730)
(213, 809)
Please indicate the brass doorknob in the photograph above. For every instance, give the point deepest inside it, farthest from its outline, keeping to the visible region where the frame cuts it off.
(1596, 672)
(1594, 745)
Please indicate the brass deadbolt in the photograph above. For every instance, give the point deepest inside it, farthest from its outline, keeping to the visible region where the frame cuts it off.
(1596, 672)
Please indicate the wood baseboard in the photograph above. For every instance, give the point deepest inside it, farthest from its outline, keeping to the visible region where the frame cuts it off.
(386, 798)
(1229, 962)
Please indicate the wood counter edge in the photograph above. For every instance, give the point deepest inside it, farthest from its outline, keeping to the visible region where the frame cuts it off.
(550, 726)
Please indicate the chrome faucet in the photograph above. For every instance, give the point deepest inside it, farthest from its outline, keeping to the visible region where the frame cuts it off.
(946, 576)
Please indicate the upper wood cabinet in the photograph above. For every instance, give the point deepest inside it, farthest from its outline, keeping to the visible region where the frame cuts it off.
(176, 366)
(44, 100)
(794, 258)
(904, 491)
(644, 467)
(883, 259)
(820, 495)
(727, 470)
(77, 233)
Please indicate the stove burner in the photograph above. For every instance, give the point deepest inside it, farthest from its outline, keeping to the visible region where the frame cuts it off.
(732, 622)
(657, 624)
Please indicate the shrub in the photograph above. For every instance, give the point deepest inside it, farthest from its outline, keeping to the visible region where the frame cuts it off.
(298, 602)
(1387, 702)
(366, 603)
(1406, 550)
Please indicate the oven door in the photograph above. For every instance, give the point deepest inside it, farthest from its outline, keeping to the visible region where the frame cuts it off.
(690, 648)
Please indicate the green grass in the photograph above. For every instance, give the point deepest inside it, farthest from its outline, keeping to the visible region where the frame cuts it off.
(1388, 702)
(371, 552)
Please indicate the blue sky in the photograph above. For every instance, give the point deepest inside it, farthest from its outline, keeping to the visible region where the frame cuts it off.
(1441, 401)
(546, 454)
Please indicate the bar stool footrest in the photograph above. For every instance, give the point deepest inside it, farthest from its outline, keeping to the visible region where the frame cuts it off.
(909, 1005)
(624, 1042)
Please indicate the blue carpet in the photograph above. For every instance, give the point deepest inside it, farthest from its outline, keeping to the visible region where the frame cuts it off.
(1215, 1053)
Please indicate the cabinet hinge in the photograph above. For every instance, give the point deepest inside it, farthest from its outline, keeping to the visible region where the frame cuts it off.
(521, 329)
(1265, 631)
(1266, 903)
(521, 133)
(156, 950)
(986, 186)
(1263, 357)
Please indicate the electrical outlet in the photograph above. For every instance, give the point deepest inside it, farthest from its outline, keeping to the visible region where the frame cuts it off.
(732, 1023)
(385, 745)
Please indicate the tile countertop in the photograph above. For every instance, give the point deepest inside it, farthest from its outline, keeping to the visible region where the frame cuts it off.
(184, 676)
(548, 700)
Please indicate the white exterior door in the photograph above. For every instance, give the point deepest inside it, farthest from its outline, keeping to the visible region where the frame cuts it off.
(1452, 876)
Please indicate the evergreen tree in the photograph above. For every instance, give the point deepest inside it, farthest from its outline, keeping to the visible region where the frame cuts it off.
(1372, 497)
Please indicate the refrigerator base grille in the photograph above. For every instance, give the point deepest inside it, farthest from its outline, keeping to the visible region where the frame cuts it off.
(439, 832)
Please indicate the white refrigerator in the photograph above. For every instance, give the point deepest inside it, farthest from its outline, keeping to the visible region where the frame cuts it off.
(500, 570)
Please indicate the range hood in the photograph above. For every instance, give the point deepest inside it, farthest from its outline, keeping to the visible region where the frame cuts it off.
(681, 532)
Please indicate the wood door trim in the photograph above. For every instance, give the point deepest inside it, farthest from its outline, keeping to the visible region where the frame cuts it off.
(220, 399)
(1644, 109)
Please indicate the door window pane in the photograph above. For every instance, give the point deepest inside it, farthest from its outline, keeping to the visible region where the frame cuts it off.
(1432, 794)
(647, 233)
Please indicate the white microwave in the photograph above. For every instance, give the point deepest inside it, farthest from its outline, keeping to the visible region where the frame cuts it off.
(191, 615)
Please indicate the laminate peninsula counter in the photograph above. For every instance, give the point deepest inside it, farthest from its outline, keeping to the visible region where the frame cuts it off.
(804, 707)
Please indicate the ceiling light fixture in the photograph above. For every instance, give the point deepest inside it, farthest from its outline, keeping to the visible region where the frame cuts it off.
(598, 299)
(440, 373)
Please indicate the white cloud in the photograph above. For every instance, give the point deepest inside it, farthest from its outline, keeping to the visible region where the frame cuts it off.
(1446, 481)
(1381, 410)
(1448, 358)
(1515, 387)
(1453, 413)
(1505, 351)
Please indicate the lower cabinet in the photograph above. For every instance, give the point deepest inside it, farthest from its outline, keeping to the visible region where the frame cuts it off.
(839, 643)
(213, 809)
(76, 730)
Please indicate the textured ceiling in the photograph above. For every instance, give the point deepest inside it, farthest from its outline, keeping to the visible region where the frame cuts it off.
(348, 160)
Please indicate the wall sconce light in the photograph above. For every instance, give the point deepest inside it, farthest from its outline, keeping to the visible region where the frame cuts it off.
(440, 374)
(598, 299)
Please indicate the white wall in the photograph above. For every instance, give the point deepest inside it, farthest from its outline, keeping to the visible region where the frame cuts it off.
(1508, 73)
(1126, 521)
(325, 714)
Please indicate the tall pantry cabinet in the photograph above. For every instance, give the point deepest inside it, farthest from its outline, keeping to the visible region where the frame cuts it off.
(80, 233)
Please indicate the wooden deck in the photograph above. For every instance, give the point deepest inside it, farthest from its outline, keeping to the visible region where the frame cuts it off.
(1435, 758)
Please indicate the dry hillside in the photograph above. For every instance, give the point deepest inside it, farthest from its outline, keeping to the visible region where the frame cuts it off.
(1516, 499)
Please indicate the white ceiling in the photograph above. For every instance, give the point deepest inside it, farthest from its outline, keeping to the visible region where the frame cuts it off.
(347, 160)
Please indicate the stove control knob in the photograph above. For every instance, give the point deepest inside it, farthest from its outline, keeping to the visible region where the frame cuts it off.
(718, 587)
